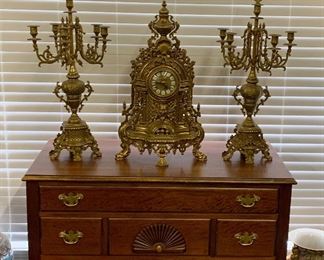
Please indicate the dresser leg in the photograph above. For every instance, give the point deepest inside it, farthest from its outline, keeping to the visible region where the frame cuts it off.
(33, 220)
(283, 221)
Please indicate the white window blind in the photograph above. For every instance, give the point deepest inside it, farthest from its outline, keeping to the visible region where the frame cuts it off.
(292, 120)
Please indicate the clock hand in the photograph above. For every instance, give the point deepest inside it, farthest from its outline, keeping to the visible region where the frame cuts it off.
(163, 83)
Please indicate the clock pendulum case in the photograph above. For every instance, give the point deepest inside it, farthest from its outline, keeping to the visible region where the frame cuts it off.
(161, 118)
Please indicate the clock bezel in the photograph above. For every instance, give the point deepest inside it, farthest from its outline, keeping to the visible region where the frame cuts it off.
(162, 69)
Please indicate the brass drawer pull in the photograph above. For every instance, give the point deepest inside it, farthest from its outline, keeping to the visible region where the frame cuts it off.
(246, 239)
(72, 199)
(248, 201)
(71, 237)
(159, 248)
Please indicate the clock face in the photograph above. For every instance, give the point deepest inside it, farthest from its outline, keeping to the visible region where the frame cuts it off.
(163, 83)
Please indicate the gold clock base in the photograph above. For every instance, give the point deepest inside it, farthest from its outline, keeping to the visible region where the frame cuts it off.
(75, 137)
(160, 150)
(248, 141)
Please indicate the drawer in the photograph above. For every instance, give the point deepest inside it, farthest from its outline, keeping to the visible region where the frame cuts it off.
(159, 199)
(245, 237)
(159, 237)
(71, 236)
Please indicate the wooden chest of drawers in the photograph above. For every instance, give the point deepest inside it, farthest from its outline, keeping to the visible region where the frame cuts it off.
(133, 210)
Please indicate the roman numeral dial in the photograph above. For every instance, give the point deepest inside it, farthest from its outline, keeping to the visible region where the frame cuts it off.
(163, 83)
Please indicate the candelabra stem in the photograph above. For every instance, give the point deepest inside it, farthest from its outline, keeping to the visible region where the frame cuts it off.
(252, 78)
(72, 73)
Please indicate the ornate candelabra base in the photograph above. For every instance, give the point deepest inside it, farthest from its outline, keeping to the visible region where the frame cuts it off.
(248, 140)
(76, 138)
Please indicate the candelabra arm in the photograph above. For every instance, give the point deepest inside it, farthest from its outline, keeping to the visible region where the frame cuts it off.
(241, 62)
(278, 61)
(237, 60)
(226, 57)
(265, 66)
(46, 57)
(91, 53)
(87, 95)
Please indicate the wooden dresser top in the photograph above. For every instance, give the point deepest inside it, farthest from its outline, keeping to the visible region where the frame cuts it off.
(141, 168)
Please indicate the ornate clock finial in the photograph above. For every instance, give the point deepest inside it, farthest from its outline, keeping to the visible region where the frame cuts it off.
(161, 117)
(164, 27)
(164, 10)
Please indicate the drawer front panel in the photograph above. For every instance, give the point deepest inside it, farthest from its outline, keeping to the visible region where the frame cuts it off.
(245, 237)
(71, 236)
(202, 200)
(159, 236)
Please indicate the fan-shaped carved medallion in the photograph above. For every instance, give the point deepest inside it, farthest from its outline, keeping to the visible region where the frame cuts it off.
(159, 238)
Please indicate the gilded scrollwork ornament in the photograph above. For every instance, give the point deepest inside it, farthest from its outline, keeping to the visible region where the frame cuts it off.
(161, 118)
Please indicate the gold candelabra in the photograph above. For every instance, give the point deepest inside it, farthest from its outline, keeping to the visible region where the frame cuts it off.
(68, 41)
(248, 137)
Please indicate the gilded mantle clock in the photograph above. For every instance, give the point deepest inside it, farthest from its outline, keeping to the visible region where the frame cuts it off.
(161, 118)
